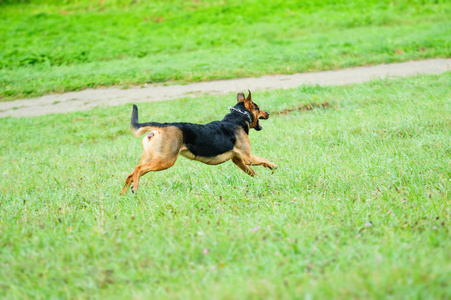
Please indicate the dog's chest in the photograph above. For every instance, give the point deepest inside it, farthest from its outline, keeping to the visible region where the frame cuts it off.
(213, 160)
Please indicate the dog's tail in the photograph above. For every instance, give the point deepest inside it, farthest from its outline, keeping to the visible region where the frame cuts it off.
(139, 129)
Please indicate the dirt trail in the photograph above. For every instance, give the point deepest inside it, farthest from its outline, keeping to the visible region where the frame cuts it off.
(87, 99)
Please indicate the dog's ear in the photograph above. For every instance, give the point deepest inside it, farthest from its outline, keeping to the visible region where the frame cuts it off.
(240, 97)
(249, 97)
(248, 102)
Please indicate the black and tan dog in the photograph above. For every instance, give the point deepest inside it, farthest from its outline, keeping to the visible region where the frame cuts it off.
(212, 143)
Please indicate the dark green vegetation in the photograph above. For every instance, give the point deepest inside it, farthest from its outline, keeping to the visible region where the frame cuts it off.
(359, 207)
(46, 46)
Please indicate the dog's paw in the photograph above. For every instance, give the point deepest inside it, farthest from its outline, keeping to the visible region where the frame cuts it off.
(123, 191)
(273, 168)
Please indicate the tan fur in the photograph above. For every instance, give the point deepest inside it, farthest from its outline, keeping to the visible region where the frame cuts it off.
(208, 160)
(160, 153)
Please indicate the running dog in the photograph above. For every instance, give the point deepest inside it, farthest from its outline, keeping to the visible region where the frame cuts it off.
(212, 143)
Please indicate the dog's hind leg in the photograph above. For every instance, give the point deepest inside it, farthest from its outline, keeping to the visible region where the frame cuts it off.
(243, 166)
(161, 149)
(128, 181)
(146, 157)
(156, 164)
(130, 176)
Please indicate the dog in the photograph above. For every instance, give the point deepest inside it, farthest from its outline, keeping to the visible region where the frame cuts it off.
(212, 143)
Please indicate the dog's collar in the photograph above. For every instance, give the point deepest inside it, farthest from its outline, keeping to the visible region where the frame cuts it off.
(241, 112)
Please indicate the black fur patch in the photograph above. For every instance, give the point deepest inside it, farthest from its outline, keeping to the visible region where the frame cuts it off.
(207, 140)
(214, 138)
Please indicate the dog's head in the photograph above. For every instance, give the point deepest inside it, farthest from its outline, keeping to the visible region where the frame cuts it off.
(254, 109)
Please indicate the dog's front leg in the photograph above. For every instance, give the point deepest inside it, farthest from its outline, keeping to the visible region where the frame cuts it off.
(258, 161)
(243, 166)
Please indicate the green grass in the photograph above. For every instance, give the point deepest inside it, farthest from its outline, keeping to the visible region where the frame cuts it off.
(48, 47)
(359, 207)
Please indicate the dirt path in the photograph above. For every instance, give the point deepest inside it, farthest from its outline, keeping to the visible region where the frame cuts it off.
(87, 99)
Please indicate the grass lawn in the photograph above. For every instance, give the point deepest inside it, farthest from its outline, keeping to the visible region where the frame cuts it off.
(359, 207)
(46, 46)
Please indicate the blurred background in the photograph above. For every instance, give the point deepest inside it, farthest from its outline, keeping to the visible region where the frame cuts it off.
(51, 46)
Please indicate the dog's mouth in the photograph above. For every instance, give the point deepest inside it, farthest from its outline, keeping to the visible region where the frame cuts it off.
(258, 127)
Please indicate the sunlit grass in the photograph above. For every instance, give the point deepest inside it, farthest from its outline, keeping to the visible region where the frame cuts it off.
(359, 207)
